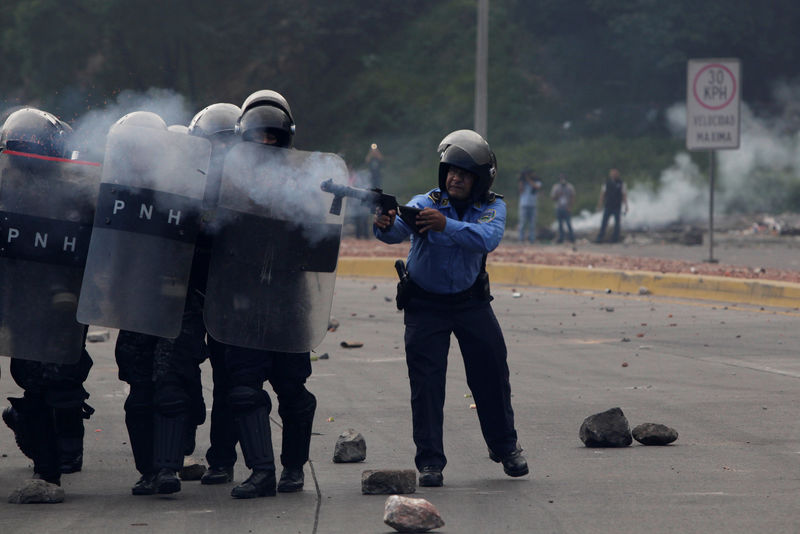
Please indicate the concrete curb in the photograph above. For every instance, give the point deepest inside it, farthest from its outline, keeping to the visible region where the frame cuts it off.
(718, 288)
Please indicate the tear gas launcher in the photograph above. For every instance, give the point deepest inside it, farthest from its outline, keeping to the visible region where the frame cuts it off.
(374, 197)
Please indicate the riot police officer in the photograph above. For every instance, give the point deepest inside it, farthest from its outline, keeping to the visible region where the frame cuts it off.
(48, 419)
(266, 118)
(446, 291)
(216, 123)
(163, 375)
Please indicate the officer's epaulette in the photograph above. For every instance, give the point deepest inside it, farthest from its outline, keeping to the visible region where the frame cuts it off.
(491, 196)
(435, 195)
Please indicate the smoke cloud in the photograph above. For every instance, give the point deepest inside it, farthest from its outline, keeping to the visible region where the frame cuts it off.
(761, 176)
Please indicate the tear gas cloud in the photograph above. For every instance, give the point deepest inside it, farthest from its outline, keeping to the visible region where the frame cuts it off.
(289, 192)
(91, 129)
(753, 178)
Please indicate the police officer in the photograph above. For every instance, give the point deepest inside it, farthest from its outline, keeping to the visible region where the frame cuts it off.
(266, 118)
(446, 291)
(163, 375)
(48, 419)
(216, 123)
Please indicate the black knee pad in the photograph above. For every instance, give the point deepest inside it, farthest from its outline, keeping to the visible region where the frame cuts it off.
(139, 401)
(296, 401)
(171, 400)
(245, 398)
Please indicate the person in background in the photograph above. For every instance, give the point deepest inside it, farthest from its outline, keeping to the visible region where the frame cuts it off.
(613, 199)
(563, 195)
(374, 161)
(528, 186)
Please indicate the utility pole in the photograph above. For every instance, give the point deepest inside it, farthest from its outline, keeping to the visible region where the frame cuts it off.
(481, 68)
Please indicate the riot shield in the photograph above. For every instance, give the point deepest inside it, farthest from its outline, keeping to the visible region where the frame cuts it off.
(46, 211)
(144, 232)
(276, 246)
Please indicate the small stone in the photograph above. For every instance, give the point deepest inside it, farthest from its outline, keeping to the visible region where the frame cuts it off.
(192, 469)
(350, 447)
(98, 336)
(388, 481)
(324, 356)
(333, 324)
(624, 364)
(37, 491)
(406, 514)
(609, 309)
(654, 434)
(644, 291)
(606, 429)
(351, 344)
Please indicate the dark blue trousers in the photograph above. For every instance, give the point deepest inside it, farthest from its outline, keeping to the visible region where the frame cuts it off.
(429, 326)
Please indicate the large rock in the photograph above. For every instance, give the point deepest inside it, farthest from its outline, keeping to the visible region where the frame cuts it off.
(654, 434)
(606, 429)
(405, 514)
(37, 491)
(350, 447)
(388, 481)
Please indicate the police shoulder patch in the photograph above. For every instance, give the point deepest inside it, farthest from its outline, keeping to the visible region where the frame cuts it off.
(488, 216)
(436, 196)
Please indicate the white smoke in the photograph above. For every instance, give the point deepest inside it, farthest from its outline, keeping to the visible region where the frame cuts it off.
(91, 128)
(751, 178)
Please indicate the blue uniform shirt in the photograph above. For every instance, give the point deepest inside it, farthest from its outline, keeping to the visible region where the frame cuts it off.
(449, 261)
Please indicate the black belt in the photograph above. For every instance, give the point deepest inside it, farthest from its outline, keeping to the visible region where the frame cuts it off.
(446, 298)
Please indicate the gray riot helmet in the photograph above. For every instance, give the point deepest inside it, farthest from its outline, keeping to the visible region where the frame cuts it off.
(215, 120)
(34, 131)
(144, 119)
(178, 128)
(266, 111)
(467, 150)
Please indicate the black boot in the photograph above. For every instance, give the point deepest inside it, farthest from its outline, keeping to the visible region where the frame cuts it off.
(166, 481)
(144, 486)
(217, 475)
(514, 463)
(292, 479)
(14, 417)
(261, 483)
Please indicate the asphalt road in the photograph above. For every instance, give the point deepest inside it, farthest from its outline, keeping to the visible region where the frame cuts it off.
(726, 377)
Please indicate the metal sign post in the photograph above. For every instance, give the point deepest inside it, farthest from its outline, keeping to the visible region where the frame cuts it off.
(713, 89)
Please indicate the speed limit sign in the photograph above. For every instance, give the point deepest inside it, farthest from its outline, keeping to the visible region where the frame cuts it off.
(712, 104)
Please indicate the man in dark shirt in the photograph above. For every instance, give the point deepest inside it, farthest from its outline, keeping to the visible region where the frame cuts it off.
(613, 199)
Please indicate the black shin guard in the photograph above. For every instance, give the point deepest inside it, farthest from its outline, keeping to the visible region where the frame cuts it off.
(170, 434)
(255, 438)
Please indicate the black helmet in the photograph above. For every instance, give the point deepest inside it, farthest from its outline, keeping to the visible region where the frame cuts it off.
(34, 131)
(268, 111)
(467, 150)
(215, 119)
(144, 119)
